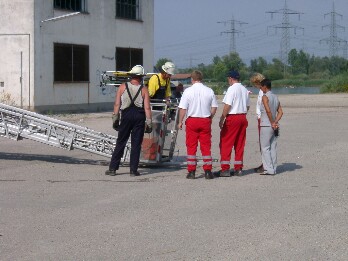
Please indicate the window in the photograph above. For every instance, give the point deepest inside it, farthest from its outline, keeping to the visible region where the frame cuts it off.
(71, 5)
(126, 58)
(128, 9)
(71, 63)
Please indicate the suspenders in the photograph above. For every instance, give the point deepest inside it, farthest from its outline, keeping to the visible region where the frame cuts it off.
(136, 95)
(161, 92)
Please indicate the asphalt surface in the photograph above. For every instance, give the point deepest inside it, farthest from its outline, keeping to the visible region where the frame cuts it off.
(59, 205)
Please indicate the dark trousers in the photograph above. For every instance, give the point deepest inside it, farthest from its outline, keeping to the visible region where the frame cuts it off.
(132, 124)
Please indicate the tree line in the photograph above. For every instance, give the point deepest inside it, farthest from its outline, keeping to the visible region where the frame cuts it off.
(303, 69)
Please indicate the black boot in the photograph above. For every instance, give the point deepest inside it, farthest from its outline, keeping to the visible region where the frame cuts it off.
(208, 174)
(110, 172)
(134, 173)
(191, 175)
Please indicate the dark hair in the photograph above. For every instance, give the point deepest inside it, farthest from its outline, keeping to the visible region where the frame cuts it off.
(266, 82)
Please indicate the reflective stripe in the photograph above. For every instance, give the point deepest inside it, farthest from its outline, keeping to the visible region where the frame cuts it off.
(191, 156)
(206, 157)
(191, 163)
(238, 162)
(207, 162)
(225, 162)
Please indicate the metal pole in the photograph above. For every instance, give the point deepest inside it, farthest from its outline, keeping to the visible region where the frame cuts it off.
(21, 80)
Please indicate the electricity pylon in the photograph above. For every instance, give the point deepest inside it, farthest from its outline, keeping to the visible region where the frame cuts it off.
(285, 26)
(233, 31)
(334, 41)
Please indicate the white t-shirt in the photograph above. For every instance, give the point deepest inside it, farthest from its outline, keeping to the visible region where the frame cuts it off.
(198, 100)
(238, 97)
(258, 104)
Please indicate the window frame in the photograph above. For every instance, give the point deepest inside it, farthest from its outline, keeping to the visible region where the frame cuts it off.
(128, 57)
(69, 65)
(58, 4)
(124, 10)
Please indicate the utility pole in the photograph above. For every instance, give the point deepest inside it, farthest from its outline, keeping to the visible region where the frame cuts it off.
(285, 26)
(191, 60)
(333, 40)
(233, 31)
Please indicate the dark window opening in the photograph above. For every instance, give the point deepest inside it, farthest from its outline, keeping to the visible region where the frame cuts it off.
(71, 5)
(126, 58)
(128, 9)
(71, 63)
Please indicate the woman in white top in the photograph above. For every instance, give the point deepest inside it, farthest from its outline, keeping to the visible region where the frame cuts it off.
(256, 79)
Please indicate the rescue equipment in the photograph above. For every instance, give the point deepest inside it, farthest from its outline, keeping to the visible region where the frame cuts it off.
(157, 147)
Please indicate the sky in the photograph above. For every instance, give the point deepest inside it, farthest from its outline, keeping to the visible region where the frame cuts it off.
(191, 32)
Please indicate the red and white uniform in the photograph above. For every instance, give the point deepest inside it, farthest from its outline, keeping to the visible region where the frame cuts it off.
(233, 132)
(198, 100)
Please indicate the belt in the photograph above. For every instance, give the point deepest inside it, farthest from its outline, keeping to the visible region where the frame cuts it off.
(199, 117)
(235, 114)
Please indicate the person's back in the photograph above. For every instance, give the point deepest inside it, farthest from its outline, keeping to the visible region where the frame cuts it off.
(133, 103)
(199, 99)
(233, 124)
(237, 95)
(271, 113)
(199, 105)
(126, 100)
(273, 103)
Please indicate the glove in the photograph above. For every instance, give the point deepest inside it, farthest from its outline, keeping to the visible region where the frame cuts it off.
(115, 121)
(148, 126)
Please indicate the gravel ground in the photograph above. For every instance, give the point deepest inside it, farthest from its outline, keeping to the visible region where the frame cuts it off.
(59, 205)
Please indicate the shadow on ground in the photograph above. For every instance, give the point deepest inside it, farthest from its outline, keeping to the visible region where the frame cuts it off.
(59, 159)
(51, 158)
(287, 167)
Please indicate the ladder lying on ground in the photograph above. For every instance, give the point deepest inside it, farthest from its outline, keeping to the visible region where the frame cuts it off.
(17, 124)
(157, 146)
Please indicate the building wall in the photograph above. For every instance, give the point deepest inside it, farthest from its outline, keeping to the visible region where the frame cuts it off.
(16, 45)
(98, 28)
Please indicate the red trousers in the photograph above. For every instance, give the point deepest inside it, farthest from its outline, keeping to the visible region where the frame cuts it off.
(198, 130)
(233, 135)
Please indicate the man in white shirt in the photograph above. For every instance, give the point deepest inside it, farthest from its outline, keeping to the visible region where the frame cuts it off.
(233, 124)
(199, 104)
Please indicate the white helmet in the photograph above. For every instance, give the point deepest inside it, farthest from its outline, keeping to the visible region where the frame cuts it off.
(137, 70)
(169, 68)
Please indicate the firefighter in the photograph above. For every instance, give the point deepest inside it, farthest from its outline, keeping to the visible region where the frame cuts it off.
(199, 105)
(159, 84)
(132, 99)
(233, 124)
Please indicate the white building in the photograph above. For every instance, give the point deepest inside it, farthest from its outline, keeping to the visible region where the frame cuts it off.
(52, 57)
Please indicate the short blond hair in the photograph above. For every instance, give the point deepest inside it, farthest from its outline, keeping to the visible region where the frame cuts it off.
(256, 78)
(197, 75)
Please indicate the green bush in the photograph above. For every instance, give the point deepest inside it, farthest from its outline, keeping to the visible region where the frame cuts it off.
(301, 76)
(218, 87)
(336, 84)
(299, 82)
